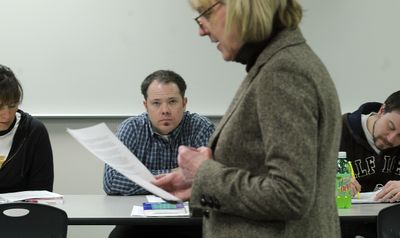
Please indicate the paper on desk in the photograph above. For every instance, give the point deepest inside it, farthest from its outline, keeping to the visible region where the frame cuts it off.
(366, 197)
(100, 141)
(138, 210)
(34, 196)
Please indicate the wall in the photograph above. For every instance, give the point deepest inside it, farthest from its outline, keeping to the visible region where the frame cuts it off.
(358, 42)
(88, 57)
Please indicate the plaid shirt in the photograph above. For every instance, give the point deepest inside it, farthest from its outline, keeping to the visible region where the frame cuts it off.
(158, 153)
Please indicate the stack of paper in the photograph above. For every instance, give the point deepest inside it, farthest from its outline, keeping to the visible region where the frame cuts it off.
(156, 207)
(37, 196)
(152, 208)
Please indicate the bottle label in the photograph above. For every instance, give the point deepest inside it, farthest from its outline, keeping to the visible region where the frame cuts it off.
(343, 185)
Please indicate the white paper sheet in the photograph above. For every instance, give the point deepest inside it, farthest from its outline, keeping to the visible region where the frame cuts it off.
(366, 197)
(152, 198)
(31, 195)
(100, 141)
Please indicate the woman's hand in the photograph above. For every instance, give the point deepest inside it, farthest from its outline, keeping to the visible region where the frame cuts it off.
(175, 184)
(179, 182)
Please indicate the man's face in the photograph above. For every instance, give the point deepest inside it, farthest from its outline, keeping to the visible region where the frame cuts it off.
(386, 131)
(165, 106)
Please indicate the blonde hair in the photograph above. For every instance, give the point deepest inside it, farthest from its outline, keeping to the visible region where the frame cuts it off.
(254, 20)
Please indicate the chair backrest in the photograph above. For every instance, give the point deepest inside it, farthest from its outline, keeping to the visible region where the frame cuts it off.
(388, 222)
(32, 220)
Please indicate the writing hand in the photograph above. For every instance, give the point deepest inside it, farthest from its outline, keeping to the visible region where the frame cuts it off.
(355, 187)
(390, 192)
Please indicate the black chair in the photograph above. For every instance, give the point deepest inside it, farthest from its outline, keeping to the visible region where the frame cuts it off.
(388, 222)
(32, 220)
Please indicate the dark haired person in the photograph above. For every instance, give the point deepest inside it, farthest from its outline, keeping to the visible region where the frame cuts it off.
(154, 136)
(371, 139)
(26, 158)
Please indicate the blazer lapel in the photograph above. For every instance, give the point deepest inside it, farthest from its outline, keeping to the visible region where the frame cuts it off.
(282, 40)
(232, 107)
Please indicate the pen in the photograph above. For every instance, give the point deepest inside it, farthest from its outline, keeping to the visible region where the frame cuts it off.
(353, 176)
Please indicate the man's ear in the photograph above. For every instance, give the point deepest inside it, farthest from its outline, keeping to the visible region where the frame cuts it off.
(381, 110)
(184, 102)
(145, 105)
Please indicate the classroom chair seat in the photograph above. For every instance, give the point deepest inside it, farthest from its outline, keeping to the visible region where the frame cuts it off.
(32, 220)
(388, 222)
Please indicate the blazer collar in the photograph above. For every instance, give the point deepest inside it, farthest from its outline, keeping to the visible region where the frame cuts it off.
(281, 40)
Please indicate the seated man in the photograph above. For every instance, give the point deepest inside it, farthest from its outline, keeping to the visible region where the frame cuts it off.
(371, 138)
(26, 158)
(154, 136)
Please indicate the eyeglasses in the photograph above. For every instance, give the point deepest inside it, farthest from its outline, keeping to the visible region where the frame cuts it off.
(206, 13)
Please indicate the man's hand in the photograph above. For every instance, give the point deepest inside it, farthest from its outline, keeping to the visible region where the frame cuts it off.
(355, 187)
(390, 192)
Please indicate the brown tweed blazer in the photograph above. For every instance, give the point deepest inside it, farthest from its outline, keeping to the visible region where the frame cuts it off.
(275, 150)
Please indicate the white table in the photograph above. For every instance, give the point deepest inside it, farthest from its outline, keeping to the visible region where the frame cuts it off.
(365, 212)
(113, 210)
(116, 210)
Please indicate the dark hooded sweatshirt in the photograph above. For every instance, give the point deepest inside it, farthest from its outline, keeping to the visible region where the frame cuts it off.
(369, 167)
(29, 165)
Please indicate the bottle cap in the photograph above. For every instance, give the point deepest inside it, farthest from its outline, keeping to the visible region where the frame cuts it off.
(342, 154)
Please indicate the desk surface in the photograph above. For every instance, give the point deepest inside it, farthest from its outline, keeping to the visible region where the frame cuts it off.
(112, 210)
(116, 210)
(366, 212)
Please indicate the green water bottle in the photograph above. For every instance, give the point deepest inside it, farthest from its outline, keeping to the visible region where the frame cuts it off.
(343, 181)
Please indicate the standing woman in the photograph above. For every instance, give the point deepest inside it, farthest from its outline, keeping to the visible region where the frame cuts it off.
(270, 169)
(26, 159)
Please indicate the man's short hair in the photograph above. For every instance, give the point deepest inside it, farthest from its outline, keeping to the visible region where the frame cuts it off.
(10, 89)
(165, 77)
(392, 103)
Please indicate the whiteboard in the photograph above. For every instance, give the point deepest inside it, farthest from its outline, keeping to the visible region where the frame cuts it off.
(89, 57)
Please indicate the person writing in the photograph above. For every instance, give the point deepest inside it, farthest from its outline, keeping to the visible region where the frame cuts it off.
(26, 157)
(371, 139)
(269, 170)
